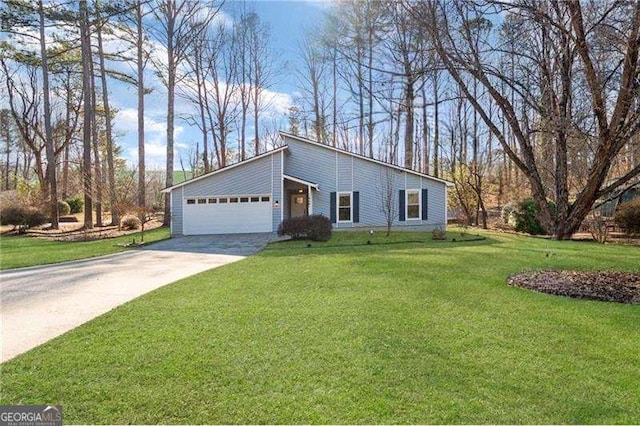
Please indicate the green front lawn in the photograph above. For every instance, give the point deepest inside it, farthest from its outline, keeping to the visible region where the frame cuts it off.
(382, 333)
(21, 251)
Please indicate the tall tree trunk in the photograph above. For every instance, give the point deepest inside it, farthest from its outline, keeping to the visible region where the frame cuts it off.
(426, 160)
(370, 124)
(171, 88)
(256, 114)
(142, 196)
(334, 101)
(408, 130)
(85, 42)
(65, 173)
(50, 149)
(6, 136)
(203, 121)
(96, 151)
(436, 124)
(113, 204)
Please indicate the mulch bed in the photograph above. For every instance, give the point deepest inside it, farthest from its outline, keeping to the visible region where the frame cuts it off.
(75, 231)
(610, 286)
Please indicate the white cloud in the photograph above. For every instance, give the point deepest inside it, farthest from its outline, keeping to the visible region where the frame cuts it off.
(155, 147)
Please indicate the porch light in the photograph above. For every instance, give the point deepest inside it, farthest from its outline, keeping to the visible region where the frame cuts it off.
(276, 204)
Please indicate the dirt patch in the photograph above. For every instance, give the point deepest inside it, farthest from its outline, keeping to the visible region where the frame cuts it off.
(610, 286)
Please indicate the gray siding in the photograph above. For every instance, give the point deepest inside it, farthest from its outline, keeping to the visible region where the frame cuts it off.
(276, 191)
(336, 172)
(314, 164)
(437, 202)
(176, 212)
(345, 172)
(251, 178)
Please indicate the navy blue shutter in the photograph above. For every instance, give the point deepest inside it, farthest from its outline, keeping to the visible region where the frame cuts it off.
(356, 207)
(401, 209)
(425, 204)
(332, 207)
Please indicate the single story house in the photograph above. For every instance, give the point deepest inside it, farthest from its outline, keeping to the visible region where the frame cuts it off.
(304, 177)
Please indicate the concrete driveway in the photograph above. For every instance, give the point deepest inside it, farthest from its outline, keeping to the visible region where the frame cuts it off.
(43, 302)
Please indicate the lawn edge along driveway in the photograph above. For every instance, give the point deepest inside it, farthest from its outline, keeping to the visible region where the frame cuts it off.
(43, 302)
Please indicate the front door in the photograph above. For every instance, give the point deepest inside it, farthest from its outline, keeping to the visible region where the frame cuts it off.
(299, 205)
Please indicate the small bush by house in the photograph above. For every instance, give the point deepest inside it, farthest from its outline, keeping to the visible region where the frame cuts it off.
(63, 208)
(75, 205)
(130, 222)
(628, 216)
(314, 228)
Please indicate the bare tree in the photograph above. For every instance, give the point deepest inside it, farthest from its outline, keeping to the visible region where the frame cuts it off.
(179, 23)
(312, 82)
(261, 66)
(388, 199)
(557, 45)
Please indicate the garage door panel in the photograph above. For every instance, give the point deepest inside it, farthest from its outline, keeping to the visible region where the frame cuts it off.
(227, 218)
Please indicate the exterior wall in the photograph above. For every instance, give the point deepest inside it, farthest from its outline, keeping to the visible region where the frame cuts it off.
(176, 211)
(314, 164)
(276, 183)
(252, 178)
(335, 172)
(262, 176)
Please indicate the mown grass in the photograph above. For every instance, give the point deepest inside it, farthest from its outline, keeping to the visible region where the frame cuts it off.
(377, 237)
(21, 251)
(385, 333)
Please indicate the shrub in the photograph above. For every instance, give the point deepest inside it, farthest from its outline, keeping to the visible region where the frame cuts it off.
(22, 217)
(63, 208)
(628, 216)
(314, 228)
(75, 205)
(12, 215)
(508, 214)
(130, 222)
(319, 228)
(527, 217)
(35, 217)
(438, 234)
(597, 225)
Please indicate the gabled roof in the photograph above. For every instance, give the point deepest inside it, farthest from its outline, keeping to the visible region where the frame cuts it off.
(224, 169)
(362, 157)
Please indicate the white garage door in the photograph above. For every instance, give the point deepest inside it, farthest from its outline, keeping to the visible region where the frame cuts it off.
(238, 214)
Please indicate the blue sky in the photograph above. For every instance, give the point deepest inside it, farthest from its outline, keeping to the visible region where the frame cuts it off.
(288, 20)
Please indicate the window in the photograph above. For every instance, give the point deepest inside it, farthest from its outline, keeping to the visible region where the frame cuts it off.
(233, 200)
(255, 199)
(413, 204)
(191, 201)
(202, 201)
(212, 200)
(244, 199)
(222, 200)
(344, 207)
(265, 199)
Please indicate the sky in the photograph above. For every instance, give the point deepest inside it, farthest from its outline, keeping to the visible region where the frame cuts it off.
(288, 21)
